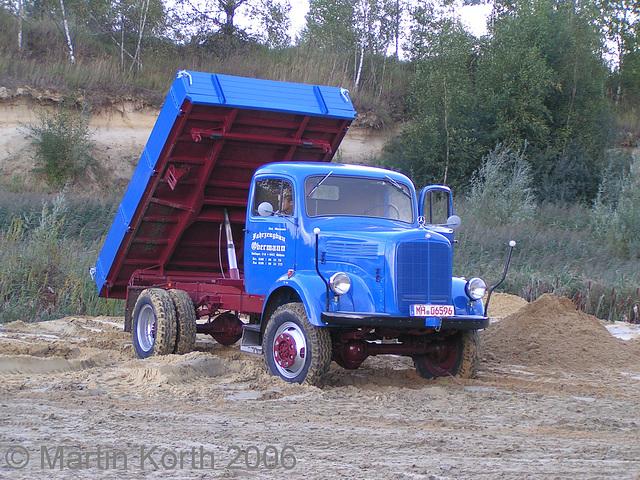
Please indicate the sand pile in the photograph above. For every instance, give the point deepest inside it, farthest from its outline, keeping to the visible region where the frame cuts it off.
(551, 332)
(502, 305)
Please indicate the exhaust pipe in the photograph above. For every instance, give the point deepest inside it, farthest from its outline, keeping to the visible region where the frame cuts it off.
(512, 245)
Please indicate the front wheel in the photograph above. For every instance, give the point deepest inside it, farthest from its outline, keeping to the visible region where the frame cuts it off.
(154, 323)
(295, 350)
(456, 355)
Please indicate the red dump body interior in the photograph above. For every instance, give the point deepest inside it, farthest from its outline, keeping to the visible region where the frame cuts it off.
(205, 167)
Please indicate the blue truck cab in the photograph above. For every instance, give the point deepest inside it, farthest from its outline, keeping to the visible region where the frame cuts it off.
(236, 224)
(346, 249)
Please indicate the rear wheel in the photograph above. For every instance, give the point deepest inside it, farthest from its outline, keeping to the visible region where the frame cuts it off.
(294, 349)
(153, 323)
(185, 321)
(457, 355)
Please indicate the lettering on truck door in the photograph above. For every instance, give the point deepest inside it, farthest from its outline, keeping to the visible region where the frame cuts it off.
(270, 234)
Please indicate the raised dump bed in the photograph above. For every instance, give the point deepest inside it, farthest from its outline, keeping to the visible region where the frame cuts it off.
(212, 133)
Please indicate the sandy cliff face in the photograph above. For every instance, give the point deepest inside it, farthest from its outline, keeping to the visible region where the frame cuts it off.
(120, 132)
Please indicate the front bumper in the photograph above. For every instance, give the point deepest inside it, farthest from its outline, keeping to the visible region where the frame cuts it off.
(470, 322)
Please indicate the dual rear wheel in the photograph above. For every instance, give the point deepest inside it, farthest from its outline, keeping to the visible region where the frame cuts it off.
(164, 322)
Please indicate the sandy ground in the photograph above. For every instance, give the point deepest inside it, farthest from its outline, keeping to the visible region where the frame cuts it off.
(556, 397)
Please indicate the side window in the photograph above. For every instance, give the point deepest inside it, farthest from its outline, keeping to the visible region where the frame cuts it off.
(273, 196)
(436, 207)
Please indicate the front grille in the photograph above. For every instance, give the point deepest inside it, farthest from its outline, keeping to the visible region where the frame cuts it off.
(423, 270)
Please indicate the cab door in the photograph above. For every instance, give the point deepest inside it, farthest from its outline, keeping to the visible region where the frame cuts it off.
(435, 206)
(269, 243)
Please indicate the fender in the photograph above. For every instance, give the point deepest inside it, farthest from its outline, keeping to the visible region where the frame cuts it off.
(462, 303)
(311, 290)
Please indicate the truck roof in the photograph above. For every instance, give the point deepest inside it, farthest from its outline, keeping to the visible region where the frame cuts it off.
(212, 133)
(303, 169)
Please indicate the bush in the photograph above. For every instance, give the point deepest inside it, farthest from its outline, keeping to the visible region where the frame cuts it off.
(63, 146)
(619, 225)
(501, 189)
(615, 212)
(44, 273)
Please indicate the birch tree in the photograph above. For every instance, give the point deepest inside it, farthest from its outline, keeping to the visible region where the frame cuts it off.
(65, 22)
(20, 22)
(358, 27)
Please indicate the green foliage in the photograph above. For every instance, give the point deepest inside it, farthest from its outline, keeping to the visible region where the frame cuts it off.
(63, 146)
(543, 78)
(442, 144)
(615, 211)
(556, 252)
(273, 19)
(329, 24)
(44, 271)
(501, 189)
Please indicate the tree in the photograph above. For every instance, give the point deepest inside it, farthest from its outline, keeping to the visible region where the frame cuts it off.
(442, 144)
(542, 76)
(65, 22)
(620, 23)
(203, 18)
(272, 18)
(20, 22)
(360, 27)
(329, 24)
(127, 23)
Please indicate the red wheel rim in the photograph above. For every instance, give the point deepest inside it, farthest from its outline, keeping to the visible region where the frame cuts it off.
(443, 358)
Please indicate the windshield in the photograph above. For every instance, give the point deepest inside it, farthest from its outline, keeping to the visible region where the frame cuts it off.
(330, 195)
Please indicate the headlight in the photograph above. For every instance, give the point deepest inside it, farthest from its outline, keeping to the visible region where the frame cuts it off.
(475, 288)
(340, 283)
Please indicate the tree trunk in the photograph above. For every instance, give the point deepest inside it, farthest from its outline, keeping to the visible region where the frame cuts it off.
(121, 42)
(72, 57)
(20, 19)
(356, 82)
(137, 61)
(396, 33)
(446, 128)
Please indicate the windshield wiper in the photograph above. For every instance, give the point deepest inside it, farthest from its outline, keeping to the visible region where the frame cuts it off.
(396, 185)
(318, 184)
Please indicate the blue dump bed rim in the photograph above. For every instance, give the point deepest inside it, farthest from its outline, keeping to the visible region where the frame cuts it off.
(265, 104)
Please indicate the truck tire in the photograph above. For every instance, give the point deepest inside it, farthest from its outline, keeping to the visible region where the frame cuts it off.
(458, 355)
(307, 348)
(185, 321)
(154, 324)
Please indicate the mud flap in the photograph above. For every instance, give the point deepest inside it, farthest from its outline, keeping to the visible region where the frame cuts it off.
(251, 339)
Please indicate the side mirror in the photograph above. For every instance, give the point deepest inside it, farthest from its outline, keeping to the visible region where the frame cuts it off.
(453, 222)
(265, 209)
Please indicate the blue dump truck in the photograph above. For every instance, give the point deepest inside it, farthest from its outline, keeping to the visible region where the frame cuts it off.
(236, 224)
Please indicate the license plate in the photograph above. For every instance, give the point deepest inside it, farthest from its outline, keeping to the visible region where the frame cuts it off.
(432, 311)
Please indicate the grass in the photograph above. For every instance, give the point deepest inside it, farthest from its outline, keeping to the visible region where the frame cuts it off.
(44, 269)
(50, 242)
(98, 75)
(557, 252)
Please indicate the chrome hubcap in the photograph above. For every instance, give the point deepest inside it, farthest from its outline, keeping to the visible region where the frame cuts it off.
(146, 330)
(289, 350)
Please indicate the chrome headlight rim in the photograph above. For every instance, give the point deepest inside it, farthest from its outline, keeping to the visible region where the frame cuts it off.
(340, 283)
(475, 288)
